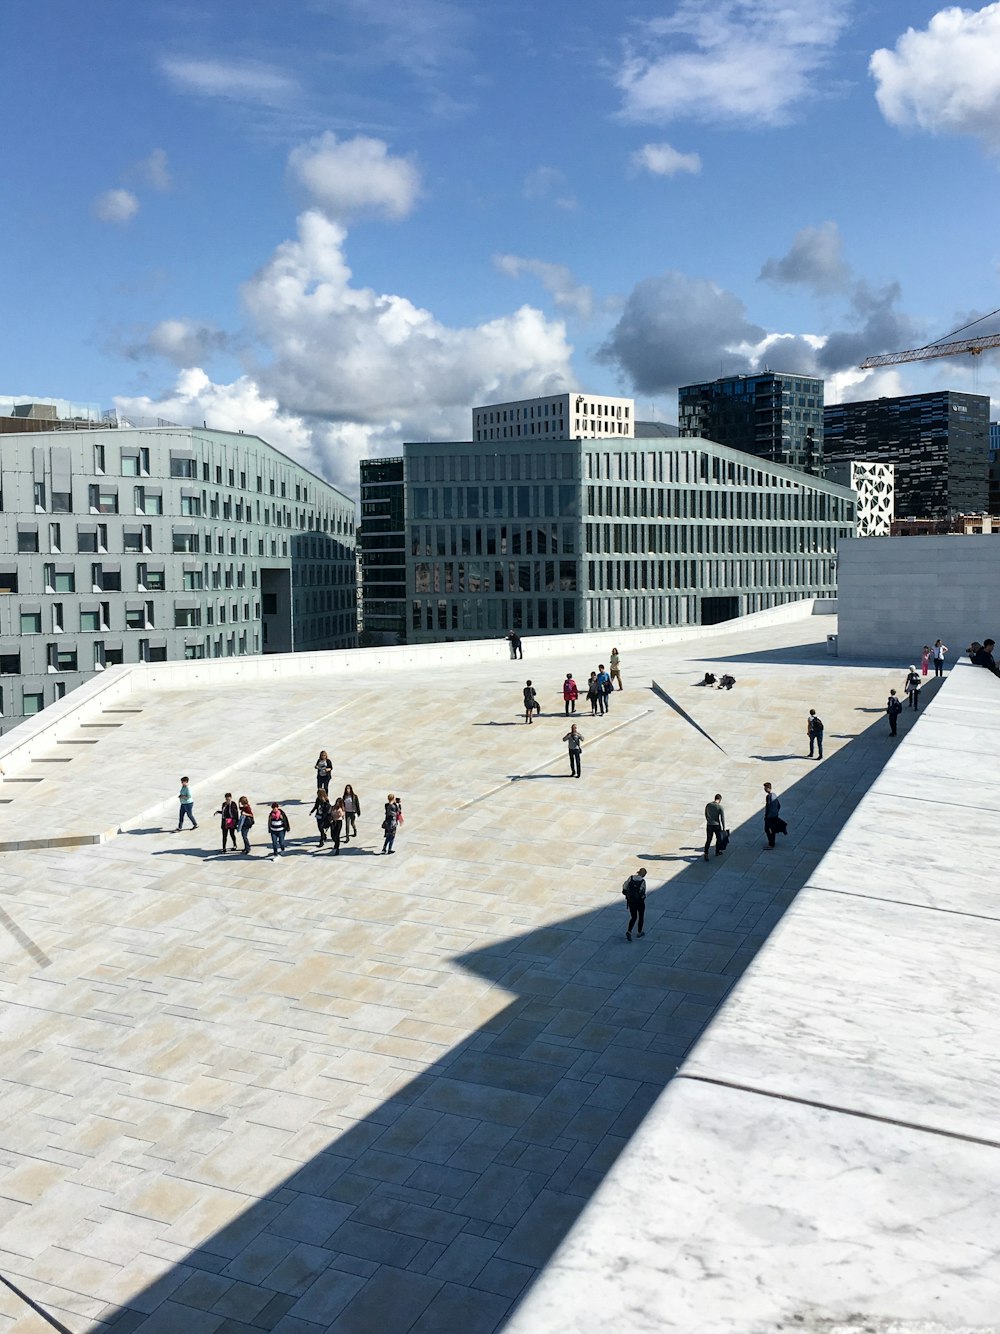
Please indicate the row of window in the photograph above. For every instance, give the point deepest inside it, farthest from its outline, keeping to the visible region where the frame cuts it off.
(493, 540)
(490, 616)
(527, 576)
(139, 615)
(539, 466)
(494, 502)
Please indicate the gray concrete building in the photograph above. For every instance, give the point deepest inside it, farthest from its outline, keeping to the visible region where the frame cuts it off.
(145, 545)
(575, 535)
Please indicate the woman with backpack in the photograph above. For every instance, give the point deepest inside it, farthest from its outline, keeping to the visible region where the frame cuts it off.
(321, 808)
(245, 822)
(530, 702)
(230, 813)
(570, 694)
(393, 818)
(593, 692)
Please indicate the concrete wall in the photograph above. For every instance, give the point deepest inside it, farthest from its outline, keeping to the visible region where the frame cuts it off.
(896, 594)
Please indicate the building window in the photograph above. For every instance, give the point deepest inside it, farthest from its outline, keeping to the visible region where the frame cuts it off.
(62, 502)
(114, 656)
(103, 499)
(182, 467)
(33, 702)
(185, 543)
(10, 664)
(55, 537)
(106, 579)
(57, 618)
(39, 495)
(89, 622)
(27, 539)
(193, 580)
(61, 659)
(130, 465)
(31, 622)
(150, 577)
(8, 580)
(191, 505)
(148, 501)
(186, 617)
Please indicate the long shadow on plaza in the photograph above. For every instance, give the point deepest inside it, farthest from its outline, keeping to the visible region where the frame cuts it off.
(435, 1213)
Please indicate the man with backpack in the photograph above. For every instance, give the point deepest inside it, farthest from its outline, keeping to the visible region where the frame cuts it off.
(814, 731)
(634, 890)
(893, 709)
(604, 687)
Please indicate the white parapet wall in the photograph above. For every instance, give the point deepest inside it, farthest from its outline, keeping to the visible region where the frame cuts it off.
(895, 594)
(114, 687)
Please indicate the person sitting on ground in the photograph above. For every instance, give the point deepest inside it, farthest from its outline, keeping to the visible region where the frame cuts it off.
(983, 657)
(727, 682)
(709, 679)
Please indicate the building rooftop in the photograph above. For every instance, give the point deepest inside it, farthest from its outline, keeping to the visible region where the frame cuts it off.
(360, 1093)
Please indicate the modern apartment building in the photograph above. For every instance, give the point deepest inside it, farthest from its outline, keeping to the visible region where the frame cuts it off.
(556, 417)
(589, 534)
(774, 416)
(938, 441)
(874, 486)
(143, 545)
(994, 464)
(382, 547)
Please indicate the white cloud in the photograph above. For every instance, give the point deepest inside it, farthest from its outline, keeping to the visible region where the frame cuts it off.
(249, 81)
(815, 260)
(118, 206)
(664, 160)
(569, 295)
(945, 78)
(352, 372)
(749, 61)
(355, 176)
(155, 171)
(550, 185)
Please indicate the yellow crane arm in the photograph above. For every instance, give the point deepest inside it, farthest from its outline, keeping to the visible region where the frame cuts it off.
(974, 346)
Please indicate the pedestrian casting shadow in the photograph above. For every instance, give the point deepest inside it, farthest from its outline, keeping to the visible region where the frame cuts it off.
(473, 1171)
(528, 778)
(773, 759)
(493, 724)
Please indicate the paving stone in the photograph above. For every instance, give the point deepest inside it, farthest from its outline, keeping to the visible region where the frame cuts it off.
(390, 1302)
(460, 1308)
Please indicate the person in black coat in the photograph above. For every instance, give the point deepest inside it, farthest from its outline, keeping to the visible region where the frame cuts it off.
(773, 823)
(230, 812)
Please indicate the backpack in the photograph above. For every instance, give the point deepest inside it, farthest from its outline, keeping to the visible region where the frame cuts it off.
(894, 706)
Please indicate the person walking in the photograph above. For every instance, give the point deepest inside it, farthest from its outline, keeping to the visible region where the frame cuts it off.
(715, 825)
(938, 654)
(337, 823)
(570, 694)
(814, 731)
(245, 823)
(604, 681)
(925, 659)
(391, 821)
(324, 771)
(615, 668)
(515, 643)
(322, 810)
(510, 644)
(593, 693)
(893, 709)
(186, 806)
(530, 702)
(575, 741)
(911, 688)
(277, 826)
(230, 813)
(634, 890)
(352, 812)
(773, 823)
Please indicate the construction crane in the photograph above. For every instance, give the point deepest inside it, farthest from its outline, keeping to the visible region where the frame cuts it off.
(973, 346)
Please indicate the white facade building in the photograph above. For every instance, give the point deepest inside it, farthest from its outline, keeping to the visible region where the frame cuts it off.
(146, 545)
(556, 417)
(875, 486)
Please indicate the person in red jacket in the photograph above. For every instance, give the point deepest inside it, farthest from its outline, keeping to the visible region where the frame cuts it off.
(570, 693)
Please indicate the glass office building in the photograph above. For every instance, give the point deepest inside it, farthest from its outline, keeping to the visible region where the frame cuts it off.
(939, 443)
(772, 415)
(382, 550)
(589, 534)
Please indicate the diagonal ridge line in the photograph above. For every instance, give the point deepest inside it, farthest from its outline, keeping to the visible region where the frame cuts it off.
(905, 903)
(38, 1310)
(25, 941)
(843, 1111)
(668, 699)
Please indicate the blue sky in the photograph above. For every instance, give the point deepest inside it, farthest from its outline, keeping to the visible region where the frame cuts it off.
(341, 223)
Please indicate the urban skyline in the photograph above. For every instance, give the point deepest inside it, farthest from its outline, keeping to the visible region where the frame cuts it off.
(316, 230)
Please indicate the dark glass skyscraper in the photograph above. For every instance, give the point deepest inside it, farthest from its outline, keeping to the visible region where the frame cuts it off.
(381, 544)
(938, 441)
(773, 416)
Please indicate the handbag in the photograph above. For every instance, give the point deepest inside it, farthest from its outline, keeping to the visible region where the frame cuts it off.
(723, 841)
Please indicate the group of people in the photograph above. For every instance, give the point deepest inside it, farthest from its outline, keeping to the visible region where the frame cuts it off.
(335, 820)
(598, 691)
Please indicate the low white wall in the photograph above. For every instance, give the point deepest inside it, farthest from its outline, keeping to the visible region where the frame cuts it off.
(114, 686)
(896, 594)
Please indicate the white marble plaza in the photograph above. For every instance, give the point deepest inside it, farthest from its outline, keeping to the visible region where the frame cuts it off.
(363, 1093)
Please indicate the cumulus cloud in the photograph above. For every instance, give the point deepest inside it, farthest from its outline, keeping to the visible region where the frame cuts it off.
(351, 372)
(117, 206)
(348, 177)
(946, 77)
(675, 330)
(573, 297)
(877, 325)
(815, 260)
(749, 61)
(550, 185)
(183, 342)
(664, 160)
(248, 81)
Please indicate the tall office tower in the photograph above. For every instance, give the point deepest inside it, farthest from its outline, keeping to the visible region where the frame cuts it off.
(773, 416)
(596, 534)
(939, 442)
(994, 462)
(555, 417)
(382, 548)
(146, 545)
